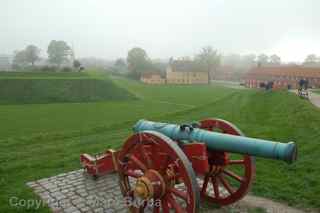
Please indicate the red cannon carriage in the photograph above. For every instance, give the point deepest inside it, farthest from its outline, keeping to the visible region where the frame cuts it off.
(175, 166)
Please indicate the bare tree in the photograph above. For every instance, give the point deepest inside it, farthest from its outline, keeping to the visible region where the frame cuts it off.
(311, 59)
(275, 59)
(209, 59)
(32, 53)
(263, 59)
(20, 59)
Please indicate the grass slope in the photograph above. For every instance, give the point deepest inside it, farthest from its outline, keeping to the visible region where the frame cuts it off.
(47, 75)
(26, 88)
(278, 116)
(188, 95)
(65, 117)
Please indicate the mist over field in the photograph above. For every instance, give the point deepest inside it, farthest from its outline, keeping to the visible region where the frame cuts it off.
(77, 75)
(108, 29)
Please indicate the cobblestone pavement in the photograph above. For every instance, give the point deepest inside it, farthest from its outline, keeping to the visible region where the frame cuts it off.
(76, 192)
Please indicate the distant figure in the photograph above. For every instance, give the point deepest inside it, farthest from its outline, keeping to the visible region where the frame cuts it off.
(262, 85)
(269, 85)
(301, 83)
(289, 86)
(306, 84)
(303, 88)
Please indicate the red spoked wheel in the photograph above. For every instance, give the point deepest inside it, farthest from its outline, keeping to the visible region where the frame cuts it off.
(230, 175)
(156, 175)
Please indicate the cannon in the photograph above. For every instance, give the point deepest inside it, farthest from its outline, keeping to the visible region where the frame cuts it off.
(169, 167)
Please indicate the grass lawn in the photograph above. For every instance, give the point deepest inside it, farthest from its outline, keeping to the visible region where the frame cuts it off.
(316, 91)
(43, 140)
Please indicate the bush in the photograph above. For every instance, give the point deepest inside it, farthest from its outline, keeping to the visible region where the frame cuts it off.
(66, 69)
(48, 69)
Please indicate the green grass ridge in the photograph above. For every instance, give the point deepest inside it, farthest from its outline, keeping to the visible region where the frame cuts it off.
(31, 88)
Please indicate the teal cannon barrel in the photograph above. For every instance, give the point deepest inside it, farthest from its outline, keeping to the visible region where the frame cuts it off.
(223, 142)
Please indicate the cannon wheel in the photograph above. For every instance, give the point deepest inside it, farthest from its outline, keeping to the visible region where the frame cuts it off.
(153, 169)
(223, 185)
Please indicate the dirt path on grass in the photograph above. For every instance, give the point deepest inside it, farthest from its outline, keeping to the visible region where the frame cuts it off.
(255, 204)
(315, 98)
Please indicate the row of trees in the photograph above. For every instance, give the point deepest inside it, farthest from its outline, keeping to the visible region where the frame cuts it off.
(263, 59)
(138, 62)
(59, 52)
(249, 60)
(207, 60)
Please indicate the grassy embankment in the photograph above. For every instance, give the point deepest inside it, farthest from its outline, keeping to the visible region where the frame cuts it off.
(26, 88)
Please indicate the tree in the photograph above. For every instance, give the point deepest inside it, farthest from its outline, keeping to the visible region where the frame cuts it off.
(120, 66)
(231, 60)
(58, 52)
(311, 59)
(248, 61)
(32, 53)
(209, 59)
(20, 58)
(263, 59)
(138, 62)
(120, 63)
(76, 64)
(274, 59)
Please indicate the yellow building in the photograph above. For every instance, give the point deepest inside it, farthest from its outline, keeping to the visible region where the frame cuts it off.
(185, 72)
(152, 78)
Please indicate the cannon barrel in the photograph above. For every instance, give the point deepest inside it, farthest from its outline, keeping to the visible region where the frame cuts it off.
(223, 142)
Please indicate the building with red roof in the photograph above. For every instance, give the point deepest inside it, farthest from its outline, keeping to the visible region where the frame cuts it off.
(282, 76)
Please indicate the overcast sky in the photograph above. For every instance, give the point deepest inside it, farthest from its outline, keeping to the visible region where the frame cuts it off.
(164, 28)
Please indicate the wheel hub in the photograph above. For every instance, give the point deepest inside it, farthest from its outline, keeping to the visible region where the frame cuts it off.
(150, 185)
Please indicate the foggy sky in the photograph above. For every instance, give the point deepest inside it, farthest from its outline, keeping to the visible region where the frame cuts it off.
(164, 28)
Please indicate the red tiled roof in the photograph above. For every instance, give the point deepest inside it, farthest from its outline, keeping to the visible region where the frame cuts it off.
(292, 71)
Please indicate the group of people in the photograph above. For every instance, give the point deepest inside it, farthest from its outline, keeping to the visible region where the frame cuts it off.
(303, 88)
(303, 85)
(268, 85)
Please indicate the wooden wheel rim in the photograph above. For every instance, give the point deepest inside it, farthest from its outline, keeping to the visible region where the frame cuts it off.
(218, 179)
(161, 145)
